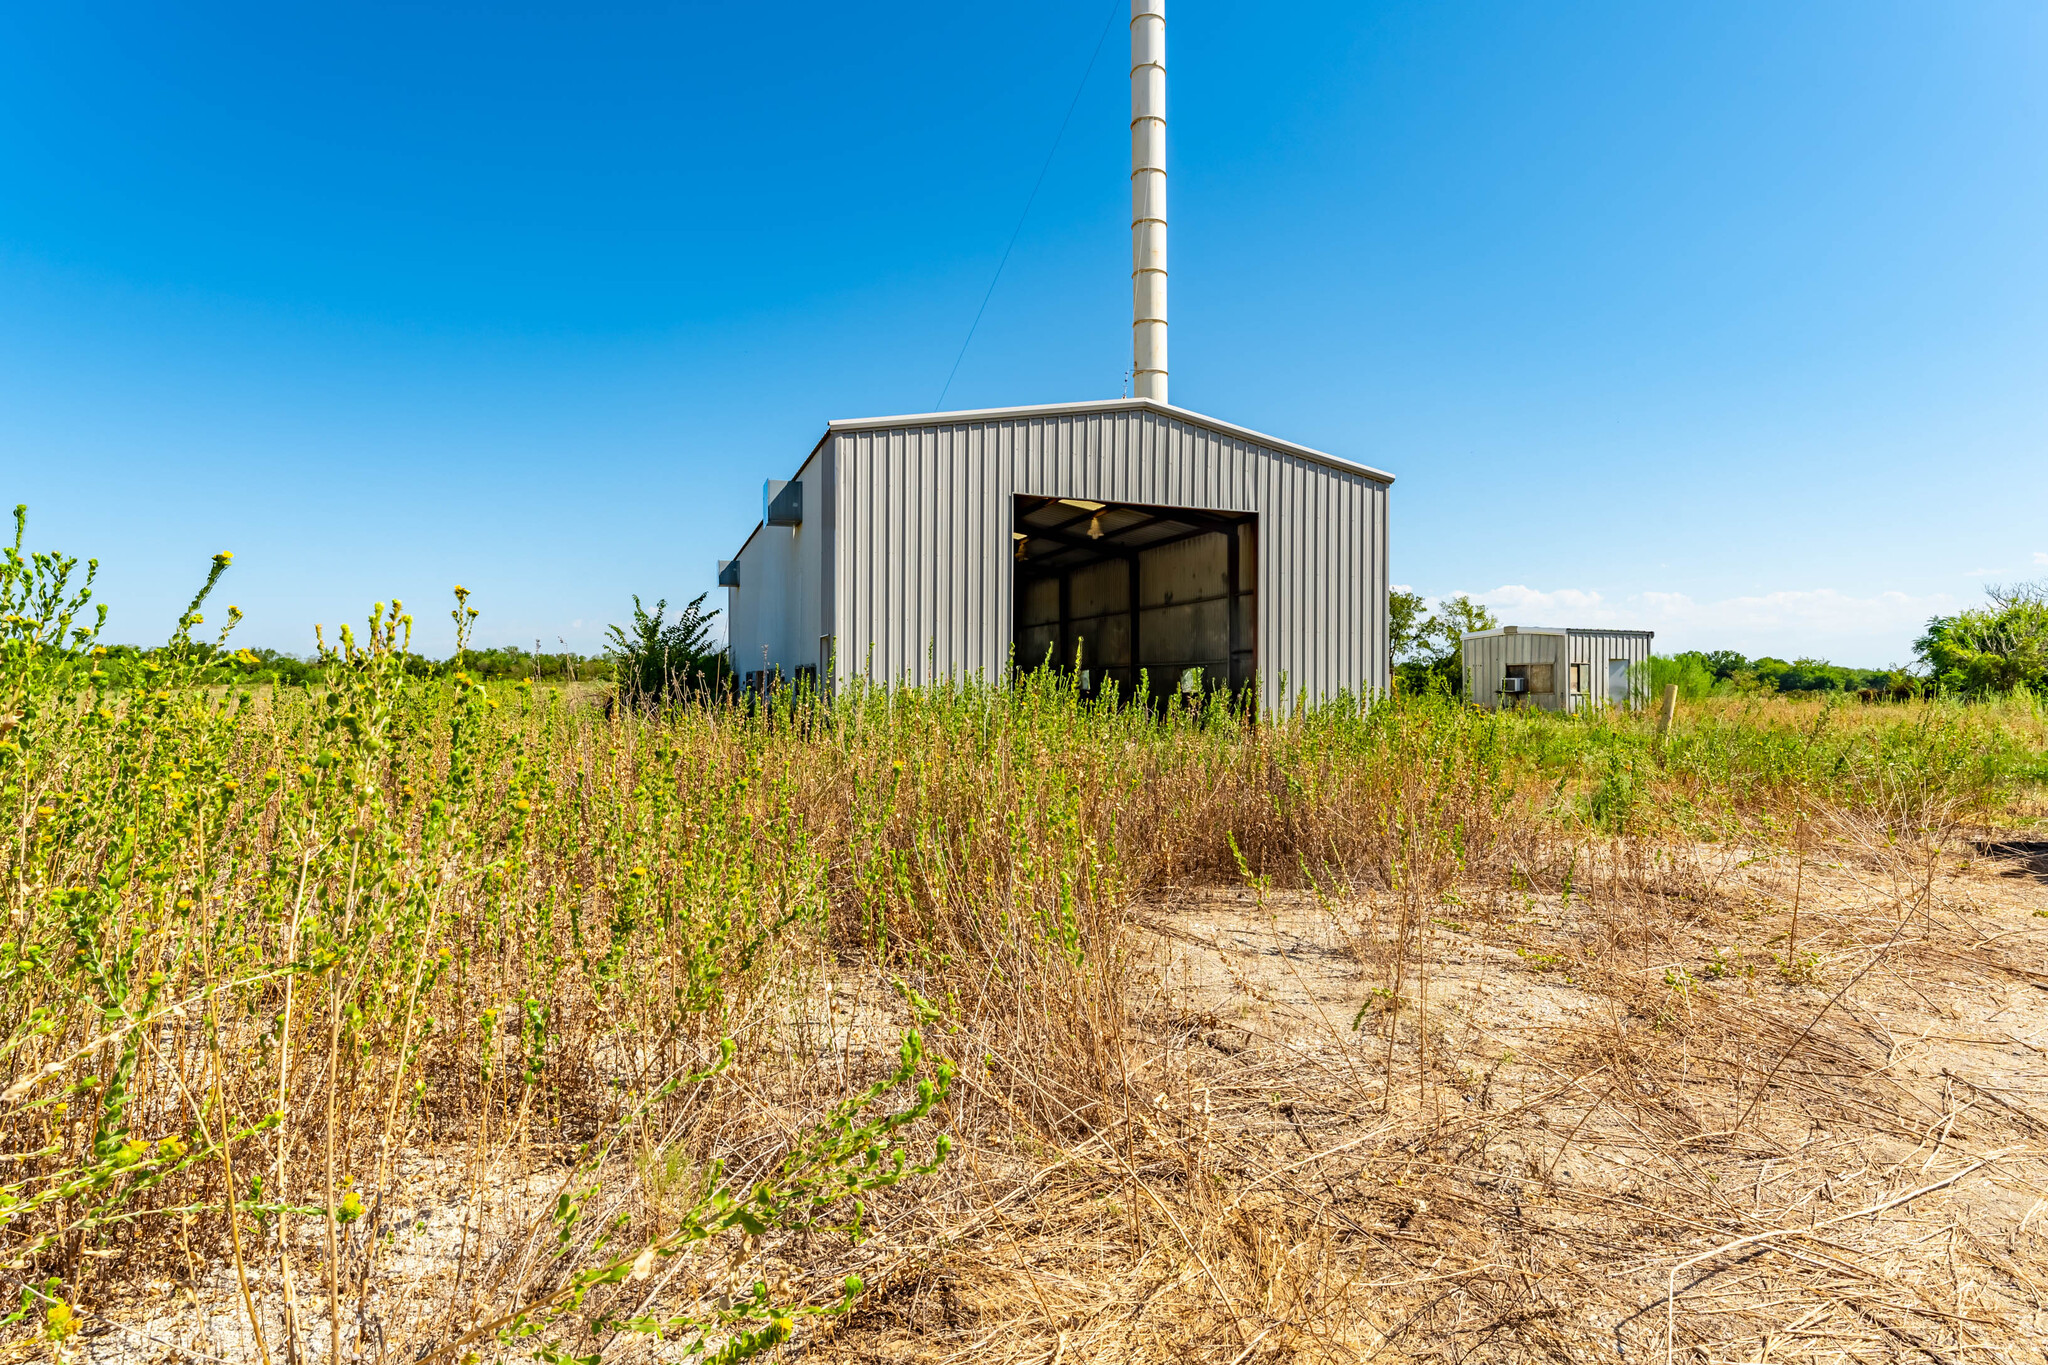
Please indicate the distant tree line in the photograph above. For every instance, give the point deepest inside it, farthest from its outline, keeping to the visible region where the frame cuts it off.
(1997, 649)
(1724, 673)
(653, 661)
(123, 665)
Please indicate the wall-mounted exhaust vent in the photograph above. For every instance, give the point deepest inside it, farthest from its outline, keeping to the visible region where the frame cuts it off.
(782, 502)
(728, 573)
(1148, 199)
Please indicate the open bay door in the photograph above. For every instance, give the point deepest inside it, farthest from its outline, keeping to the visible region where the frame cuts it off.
(1109, 590)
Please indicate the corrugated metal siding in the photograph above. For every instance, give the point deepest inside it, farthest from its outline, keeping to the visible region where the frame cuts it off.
(1486, 658)
(923, 557)
(1596, 649)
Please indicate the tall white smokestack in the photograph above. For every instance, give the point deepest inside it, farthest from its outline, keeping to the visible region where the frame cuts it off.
(1148, 199)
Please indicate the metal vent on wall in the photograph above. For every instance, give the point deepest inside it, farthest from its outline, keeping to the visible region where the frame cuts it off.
(782, 502)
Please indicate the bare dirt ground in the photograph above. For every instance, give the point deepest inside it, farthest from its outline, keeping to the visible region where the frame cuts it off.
(1597, 1127)
(1648, 1118)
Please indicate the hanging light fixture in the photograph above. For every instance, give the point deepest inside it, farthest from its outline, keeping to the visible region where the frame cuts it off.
(1095, 527)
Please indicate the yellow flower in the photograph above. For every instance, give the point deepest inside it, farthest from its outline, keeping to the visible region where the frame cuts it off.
(46, 811)
(522, 805)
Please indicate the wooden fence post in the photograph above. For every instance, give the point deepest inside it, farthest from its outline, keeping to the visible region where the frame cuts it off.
(1664, 715)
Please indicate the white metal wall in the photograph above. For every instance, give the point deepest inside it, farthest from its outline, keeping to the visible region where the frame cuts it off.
(923, 557)
(1596, 649)
(774, 617)
(1486, 658)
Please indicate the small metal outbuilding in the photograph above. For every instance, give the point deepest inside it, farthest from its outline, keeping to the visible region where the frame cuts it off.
(1107, 537)
(1556, 669)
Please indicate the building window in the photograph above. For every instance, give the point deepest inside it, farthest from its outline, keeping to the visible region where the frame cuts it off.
(1578, 677)
(1538, 676)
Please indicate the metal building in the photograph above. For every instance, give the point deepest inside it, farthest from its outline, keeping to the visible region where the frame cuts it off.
(1556, 669)
(1111, 537)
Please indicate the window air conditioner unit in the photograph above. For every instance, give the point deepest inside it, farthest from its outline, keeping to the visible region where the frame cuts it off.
(1514, 685)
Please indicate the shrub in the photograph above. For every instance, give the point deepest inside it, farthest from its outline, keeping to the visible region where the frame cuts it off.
(2002, 647)
(1689, 671)
(660, 661)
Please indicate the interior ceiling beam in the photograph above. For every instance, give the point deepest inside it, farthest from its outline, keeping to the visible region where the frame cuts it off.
(1221, 521)
(1111, 545)
(1105, 547)
(1068, 524)
(1223, 524)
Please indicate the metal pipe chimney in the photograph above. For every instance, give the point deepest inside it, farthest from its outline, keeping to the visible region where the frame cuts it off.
(1148, 199)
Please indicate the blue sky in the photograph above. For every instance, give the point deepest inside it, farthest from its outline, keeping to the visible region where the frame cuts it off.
(1729, 321)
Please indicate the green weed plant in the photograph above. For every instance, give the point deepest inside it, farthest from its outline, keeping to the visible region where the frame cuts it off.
(266, 944)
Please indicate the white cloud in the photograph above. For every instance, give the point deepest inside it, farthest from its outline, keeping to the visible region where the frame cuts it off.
(1518, 601)
(2041, 556)
(1872, 630)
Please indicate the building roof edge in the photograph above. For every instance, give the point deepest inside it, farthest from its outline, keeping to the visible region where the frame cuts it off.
(974, 416)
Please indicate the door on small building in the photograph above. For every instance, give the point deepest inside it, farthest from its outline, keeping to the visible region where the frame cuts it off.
(1617, 682)
(1110, 590)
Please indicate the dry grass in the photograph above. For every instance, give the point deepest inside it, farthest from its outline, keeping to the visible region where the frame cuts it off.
(1546, 1140)
(1351, 1036)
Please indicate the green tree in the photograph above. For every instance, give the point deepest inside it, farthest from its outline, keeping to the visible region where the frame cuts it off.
(1997, 648)
(1433, 656)
(1724, 663)
(1404, 623)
